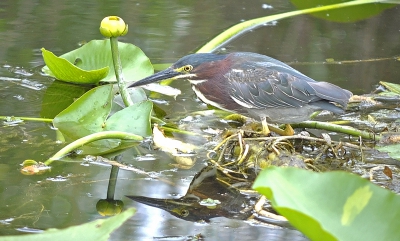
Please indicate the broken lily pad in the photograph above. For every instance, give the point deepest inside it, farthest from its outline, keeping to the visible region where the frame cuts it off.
(93, 62)
(66, 71)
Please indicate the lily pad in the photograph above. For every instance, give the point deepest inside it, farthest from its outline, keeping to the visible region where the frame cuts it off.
(133, 119)
(331, 206)
(58, 96)
(137, 95)
(89, 114)
(86, 115)
(98, 230)
(96, 55)
(392, 87)
(64, 70)
(393, 150)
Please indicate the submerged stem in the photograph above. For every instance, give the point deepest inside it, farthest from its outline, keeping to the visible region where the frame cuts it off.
(112, 183)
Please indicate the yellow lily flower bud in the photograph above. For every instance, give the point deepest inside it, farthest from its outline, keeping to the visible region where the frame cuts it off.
(113, 26)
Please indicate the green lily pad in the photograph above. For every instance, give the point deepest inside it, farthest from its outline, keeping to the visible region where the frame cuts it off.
(98, 230)
(393, 150)
(89, 113)
(392, 87)
(86, 115)
(64, 70)
(134, 119)
(97, 55)
(58, 96)
(137, 95)
(331, 206)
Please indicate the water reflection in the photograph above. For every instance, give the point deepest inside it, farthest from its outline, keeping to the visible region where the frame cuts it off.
(224, 201)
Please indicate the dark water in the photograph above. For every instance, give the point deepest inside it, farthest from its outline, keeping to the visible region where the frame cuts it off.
(165, 31)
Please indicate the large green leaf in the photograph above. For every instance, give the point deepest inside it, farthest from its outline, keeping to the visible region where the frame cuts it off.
(58, 96)
(391, 87)
(93, 231)
(134, 119)
(86, 115)
(349, 14)
(333, 205)
(64, 70)
(97, 54)
(393, 150)
(89, 113)
(137, 95)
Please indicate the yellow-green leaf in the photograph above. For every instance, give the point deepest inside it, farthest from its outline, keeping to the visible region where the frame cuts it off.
(333, 205)
(98, 230)
(64, 70)
(96, 54)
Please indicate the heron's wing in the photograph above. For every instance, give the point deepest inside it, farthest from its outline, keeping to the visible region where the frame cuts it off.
(331, 92)
(271, 84)
(268, 88)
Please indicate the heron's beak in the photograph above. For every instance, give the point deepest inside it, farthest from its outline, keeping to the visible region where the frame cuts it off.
(171, 205)
(154, 202)
(162, 75)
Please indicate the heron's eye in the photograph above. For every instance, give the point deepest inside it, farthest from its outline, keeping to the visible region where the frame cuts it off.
(187, 68)
(184, 213)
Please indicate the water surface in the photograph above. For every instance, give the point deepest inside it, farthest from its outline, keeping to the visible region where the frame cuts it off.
(165, 31)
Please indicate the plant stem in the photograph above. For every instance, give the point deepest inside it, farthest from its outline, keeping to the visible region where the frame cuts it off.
(337, 128)
(112, 183)
(240, 28)
(90, 138)
(175, 130)
(118, 72)
(27, 119)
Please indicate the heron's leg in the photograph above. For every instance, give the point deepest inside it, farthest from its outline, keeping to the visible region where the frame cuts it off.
(288, 130)
(265, 129)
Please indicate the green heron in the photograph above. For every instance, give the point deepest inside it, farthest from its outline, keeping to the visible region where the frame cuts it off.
(210, 184)
(255, 86)
(204, 186)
